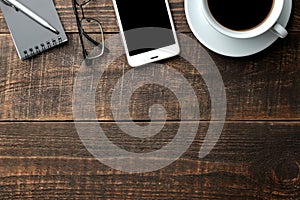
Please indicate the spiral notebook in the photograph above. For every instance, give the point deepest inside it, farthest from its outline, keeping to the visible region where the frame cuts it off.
(29, 37)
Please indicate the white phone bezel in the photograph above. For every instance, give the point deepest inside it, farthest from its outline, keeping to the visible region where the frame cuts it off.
(150, 56)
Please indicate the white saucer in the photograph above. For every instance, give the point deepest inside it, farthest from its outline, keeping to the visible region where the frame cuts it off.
(226, 45)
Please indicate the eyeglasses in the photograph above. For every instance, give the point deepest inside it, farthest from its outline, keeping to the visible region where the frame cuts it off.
(92, 42)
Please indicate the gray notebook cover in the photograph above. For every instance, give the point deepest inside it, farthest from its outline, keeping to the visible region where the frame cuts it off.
(29, 37)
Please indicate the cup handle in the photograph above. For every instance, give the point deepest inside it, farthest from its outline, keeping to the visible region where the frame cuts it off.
(279, 30)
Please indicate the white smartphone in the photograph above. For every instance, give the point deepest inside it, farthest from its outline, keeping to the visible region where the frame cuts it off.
(147, 30)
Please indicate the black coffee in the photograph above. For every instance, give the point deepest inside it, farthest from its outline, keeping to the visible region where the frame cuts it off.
(240, 15)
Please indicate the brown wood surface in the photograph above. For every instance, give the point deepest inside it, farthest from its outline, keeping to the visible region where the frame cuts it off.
(256, 157)
(250, 161)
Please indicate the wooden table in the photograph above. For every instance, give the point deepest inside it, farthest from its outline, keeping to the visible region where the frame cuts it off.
(256, 157)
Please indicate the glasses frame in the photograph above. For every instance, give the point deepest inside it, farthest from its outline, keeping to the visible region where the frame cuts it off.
(82, 32)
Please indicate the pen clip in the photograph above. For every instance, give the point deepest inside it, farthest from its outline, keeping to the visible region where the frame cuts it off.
(9, 4)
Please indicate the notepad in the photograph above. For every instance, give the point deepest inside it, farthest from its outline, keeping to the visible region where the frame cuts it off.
(29, 37)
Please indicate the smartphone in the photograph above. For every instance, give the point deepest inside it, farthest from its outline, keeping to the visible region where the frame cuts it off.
(147, 30)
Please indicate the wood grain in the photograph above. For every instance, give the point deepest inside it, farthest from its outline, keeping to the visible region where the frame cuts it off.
(259, 87)
(48, 160)
(257, 155)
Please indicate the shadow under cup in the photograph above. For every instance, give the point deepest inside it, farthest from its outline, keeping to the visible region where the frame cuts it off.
(244, 18)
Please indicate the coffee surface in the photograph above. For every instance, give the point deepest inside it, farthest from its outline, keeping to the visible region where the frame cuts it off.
(240, 15)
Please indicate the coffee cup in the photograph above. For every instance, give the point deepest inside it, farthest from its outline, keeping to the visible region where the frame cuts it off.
(244, 18)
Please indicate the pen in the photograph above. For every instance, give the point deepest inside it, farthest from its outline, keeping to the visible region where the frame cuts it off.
(20, 7)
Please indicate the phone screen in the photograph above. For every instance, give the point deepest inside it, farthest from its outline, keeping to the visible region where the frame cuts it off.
(146, 25)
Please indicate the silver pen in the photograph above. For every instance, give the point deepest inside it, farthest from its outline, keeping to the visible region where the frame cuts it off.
(20, 7)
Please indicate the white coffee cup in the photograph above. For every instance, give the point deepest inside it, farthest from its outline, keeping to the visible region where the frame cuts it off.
(268, 24)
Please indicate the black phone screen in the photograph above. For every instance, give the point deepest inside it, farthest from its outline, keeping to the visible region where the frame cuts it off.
(146, 25)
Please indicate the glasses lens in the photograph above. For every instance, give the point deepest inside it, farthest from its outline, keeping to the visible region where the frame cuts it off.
(93, 38)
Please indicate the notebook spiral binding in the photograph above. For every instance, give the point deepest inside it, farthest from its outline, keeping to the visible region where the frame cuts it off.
(42, 47)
